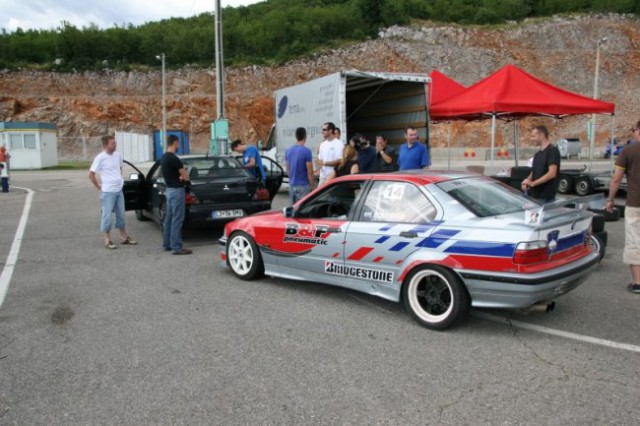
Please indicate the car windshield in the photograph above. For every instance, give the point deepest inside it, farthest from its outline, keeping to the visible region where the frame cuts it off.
(214, 167)
(486, 197)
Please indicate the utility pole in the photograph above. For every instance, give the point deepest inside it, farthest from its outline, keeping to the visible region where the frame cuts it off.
(220, 127)
(163, 134)
(592, 136)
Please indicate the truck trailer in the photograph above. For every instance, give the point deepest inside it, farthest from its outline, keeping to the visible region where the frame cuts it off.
(368, 103)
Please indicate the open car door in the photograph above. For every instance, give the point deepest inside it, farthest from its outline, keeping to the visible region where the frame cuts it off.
(275, 175)
(134, 188)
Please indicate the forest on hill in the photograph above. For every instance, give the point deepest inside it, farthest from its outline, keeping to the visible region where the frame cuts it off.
(269, 32)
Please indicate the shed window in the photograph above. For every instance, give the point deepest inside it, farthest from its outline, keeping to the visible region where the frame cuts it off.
(30, 141)
(15, 141)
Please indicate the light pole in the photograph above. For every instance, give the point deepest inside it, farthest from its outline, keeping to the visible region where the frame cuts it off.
(163, 134)
(592, 137)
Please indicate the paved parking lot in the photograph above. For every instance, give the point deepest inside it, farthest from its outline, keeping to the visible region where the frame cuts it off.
(138, 336)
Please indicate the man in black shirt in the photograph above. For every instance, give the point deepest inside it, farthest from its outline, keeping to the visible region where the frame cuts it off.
(385, 156)
(542, 182)
(175, 176)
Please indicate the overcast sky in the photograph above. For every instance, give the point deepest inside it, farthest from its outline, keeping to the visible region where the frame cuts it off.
(48, 14)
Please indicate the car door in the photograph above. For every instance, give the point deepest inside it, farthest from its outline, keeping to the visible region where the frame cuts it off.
(312, 239)
(275, 175)
(156, 188)
(395, 220)
(134, 188)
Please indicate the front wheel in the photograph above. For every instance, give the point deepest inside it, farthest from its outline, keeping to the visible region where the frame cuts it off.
(435, 297)
(243, 256)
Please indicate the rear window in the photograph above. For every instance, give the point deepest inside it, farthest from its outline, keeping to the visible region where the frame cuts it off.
(214, 167)
(486, 197)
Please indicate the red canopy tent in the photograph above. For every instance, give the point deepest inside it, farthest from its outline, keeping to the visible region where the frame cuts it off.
(512, 93)
(441, 89)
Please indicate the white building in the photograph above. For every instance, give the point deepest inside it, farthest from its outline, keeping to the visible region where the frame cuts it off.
(31, 145)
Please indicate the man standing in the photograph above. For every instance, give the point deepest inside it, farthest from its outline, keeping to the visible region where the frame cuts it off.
(299, 162)
(330, 151)
(109, 165)
(251, 159)
(366, 156)
(385, 156)
(542, 182)
(175, 176)
(4, 168)
(628, 163)
(413, 154)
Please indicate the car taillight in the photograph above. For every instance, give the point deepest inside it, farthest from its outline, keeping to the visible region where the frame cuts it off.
(531, 252)
(190, 198)
(261, 194)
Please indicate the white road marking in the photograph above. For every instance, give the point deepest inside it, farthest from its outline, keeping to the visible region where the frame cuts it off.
(12, 258)
(560, 333)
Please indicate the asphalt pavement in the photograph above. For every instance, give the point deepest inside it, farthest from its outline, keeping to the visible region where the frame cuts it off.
(138, 336)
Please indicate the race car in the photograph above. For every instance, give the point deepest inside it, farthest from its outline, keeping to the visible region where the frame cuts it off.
(438, 242)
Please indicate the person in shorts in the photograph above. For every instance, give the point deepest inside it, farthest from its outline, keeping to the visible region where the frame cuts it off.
(628, 162)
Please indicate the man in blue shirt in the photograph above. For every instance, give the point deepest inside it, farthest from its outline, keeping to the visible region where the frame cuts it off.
(299, 167)
(413, 154)
(251, 159)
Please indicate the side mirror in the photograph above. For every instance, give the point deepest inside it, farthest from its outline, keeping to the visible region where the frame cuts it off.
(288, 211)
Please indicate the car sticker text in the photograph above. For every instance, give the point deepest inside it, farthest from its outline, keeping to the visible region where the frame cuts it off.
(357, 272)
(306, 234)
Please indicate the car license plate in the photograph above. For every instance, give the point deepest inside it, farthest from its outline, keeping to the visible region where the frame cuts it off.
(223, 214)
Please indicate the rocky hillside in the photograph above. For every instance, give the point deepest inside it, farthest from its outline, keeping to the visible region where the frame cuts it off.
(558, 50)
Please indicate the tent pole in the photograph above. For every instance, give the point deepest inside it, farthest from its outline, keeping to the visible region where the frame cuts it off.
(449, 146)
(611, 145)
(516, 139)
(493, 136)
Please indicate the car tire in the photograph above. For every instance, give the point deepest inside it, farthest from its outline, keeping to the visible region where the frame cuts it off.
(435, 297)
(243, 256)
(565, 184)
(584, 186)
(597, 223)
(621, 208)
(140, 216)
(607, 216)
(598, 243)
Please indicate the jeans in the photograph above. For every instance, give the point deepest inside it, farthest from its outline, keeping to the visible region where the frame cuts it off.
(112, 202)
(297, 192)
(173, 219)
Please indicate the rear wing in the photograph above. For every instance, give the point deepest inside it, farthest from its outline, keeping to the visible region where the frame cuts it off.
(537, 215)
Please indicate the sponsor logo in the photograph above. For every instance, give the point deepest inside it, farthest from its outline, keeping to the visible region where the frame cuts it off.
(552, 240)
(306, 234)
(357, 272)
(282, 106)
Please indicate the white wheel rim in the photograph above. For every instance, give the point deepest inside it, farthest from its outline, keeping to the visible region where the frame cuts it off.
(417, 298)
(240, 255)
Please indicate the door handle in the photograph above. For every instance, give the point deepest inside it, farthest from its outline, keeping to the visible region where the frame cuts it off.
(334, 230)
(409, 234)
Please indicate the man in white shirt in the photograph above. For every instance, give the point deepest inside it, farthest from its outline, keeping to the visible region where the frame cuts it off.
(109, 165)
(330, 152)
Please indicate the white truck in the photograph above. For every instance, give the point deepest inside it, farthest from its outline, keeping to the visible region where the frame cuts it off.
(369, 103)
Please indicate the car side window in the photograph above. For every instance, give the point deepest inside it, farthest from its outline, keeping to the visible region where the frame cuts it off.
(336, 201)
(403, 202)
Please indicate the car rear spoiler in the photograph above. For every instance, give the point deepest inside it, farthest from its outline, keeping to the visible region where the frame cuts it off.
(536, 215)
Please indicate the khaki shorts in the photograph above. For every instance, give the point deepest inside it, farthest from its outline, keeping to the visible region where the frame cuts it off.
(631, 254)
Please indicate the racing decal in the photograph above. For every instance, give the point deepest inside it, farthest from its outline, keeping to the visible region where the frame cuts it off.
(482, 248)
(552, 241)
(399, 246)
(360, 253)
(438, 238)
(357, 272)
(306, 234)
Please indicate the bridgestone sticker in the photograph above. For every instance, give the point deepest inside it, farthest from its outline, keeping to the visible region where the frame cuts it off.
(356, 272)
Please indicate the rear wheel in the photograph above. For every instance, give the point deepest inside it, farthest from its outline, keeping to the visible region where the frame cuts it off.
(565, 184)
(584, 186)
(243, 256)
(598, 243)
(435, 297)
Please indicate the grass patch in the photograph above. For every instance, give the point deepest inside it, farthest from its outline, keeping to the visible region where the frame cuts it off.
(70, 165)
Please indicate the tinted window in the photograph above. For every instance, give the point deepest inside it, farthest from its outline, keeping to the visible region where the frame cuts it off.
(485, 197)
(389, 201)
(214, 167)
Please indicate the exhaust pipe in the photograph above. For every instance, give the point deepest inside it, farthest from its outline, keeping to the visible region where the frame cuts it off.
(546, 306)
